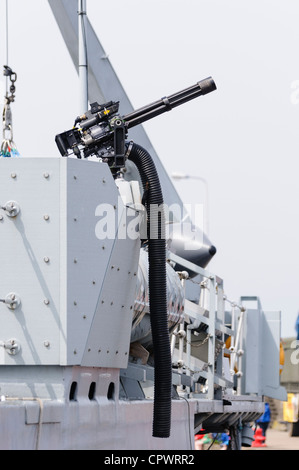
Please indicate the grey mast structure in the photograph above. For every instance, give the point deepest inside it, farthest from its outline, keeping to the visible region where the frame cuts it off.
(93, 323)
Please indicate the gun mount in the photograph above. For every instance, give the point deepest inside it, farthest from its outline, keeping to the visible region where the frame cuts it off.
(82, 309)
(101, 131)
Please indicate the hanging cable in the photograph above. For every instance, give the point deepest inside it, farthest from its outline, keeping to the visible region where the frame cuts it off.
(8, 147)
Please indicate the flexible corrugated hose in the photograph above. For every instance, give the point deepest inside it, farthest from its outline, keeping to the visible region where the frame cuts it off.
(157, 288)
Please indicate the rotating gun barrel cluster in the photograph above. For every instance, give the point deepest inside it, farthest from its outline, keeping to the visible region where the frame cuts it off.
(102, 131)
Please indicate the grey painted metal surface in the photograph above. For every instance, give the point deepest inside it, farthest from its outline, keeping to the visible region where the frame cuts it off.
(69, 378)
(63, 271)
(102, 421)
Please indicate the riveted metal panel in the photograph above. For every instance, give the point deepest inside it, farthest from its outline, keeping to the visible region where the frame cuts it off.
(89, 186)
(54, 259)
(29, 253)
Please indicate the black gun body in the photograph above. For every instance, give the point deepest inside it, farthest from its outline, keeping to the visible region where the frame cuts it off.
(100, 127)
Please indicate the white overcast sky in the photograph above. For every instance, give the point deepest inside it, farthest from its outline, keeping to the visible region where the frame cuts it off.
(242, 139)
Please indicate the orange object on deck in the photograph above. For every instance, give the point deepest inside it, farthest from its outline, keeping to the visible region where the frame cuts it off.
(259, 439)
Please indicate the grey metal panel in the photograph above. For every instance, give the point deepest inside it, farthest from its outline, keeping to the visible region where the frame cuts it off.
(46, 382)
(271, 356)
(100, 270)
(262, 353)
(26, 242)
(270, 323)
(108, 342)
(87, 185)
(253, 362)
(104, 85)
(105, 424)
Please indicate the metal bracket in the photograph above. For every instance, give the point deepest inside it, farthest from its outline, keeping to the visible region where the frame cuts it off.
(12, 346)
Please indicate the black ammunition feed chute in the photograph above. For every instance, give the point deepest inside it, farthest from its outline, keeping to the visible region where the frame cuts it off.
(101, 131)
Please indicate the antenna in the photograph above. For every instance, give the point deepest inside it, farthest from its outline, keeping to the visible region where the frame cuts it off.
(82, 57)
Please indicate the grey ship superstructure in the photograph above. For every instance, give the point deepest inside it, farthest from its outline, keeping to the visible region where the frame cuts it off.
(77, 362)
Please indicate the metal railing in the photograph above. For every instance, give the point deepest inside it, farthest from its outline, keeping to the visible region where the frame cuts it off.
(207, 345)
